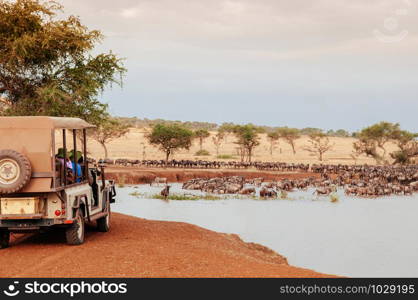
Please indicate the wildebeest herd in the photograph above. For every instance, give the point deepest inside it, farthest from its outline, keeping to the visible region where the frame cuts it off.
(204, 164)
(363, 181)
(358, 180)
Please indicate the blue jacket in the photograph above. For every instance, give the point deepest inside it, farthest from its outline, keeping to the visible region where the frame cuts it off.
(78, 170)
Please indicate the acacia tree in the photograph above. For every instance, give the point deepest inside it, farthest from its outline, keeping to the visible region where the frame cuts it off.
(289, 135)
(367, 147)
(108, 131)
(375, 137)
(319, 144)
(217, 140)
(380, 134)
(170, 138)
(201, 135)
(407, 144)
(46, 65)
(273, 138)
(227, 129)
(247, 138)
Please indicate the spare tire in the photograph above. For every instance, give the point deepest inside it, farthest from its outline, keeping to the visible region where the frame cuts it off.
(15, 171)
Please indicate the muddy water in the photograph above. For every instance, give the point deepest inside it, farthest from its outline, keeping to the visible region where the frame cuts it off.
(354, 237)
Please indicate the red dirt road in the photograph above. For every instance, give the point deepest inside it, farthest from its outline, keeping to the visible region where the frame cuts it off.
(141, 248)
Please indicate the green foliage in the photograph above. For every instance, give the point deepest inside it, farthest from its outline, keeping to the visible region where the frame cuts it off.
(141, 123)
(137, 194)
(227, 128)
(108, 130)
(338, 133)
(379, 133)
(45, 63)
(201, 135)
(290, 135)
(283, 195)
(403, 138)
(202, 153)
(273, 137)
(334, 198)
(309, 130)
(225, 156)
(179, 197)
(170, 137)
(400, 157)
(247, 137)
(319, 144)
(376, 136)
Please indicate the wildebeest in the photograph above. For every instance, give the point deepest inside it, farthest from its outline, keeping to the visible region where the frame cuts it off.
(247, 191)
(165, 192)
(324, 191)
(268, 193)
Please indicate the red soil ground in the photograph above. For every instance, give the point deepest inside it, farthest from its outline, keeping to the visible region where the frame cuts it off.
(141, 248)
(132, 175)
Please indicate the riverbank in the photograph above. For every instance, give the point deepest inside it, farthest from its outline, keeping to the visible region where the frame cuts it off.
(142, 248)
(134, 175)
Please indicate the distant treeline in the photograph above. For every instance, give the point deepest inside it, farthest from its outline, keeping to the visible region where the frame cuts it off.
(195, 125)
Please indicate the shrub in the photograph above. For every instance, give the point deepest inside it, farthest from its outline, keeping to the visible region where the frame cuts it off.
(202, 153)
(334, 198)
(283, 195)
(226, 156)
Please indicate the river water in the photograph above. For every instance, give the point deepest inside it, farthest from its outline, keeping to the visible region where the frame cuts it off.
(354, 237)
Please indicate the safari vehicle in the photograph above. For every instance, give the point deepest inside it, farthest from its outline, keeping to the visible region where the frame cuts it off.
(43, 186)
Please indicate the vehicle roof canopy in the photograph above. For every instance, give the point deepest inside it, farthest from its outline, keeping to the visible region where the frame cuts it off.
(34, 138)
(43, 123)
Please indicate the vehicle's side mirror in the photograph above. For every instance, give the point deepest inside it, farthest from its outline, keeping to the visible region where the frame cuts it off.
(95, 172)
(112, 193)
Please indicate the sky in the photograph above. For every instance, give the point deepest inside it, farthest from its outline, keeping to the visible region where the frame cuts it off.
(300, 63)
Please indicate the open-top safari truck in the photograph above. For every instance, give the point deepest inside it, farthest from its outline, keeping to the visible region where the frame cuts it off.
(43, 184)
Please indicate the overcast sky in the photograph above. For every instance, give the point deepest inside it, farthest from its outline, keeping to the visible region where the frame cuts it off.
(319, 63)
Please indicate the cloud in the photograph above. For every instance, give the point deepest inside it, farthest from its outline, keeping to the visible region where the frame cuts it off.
(275, 51)
(129, 13)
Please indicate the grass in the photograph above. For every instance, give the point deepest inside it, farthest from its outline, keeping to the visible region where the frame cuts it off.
(334, 198)
(180, 197)
(283, 195)
(121, 181)
(226, 156)
(137, 194)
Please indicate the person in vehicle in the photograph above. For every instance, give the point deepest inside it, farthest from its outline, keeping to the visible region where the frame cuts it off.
(77, 167)
(59, 158)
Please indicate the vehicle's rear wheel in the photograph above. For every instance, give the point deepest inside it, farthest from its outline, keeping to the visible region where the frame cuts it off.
(4, 238)
(103, 224)
(15, 171)
(75, 234)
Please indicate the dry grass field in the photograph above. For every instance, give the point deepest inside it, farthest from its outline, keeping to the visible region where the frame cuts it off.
(135, 146)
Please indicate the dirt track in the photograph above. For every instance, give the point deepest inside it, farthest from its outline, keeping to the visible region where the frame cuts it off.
(141, 248)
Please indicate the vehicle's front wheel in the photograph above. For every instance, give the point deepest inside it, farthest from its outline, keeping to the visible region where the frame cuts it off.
(75, 234)
(103, 224)
(4, 238)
